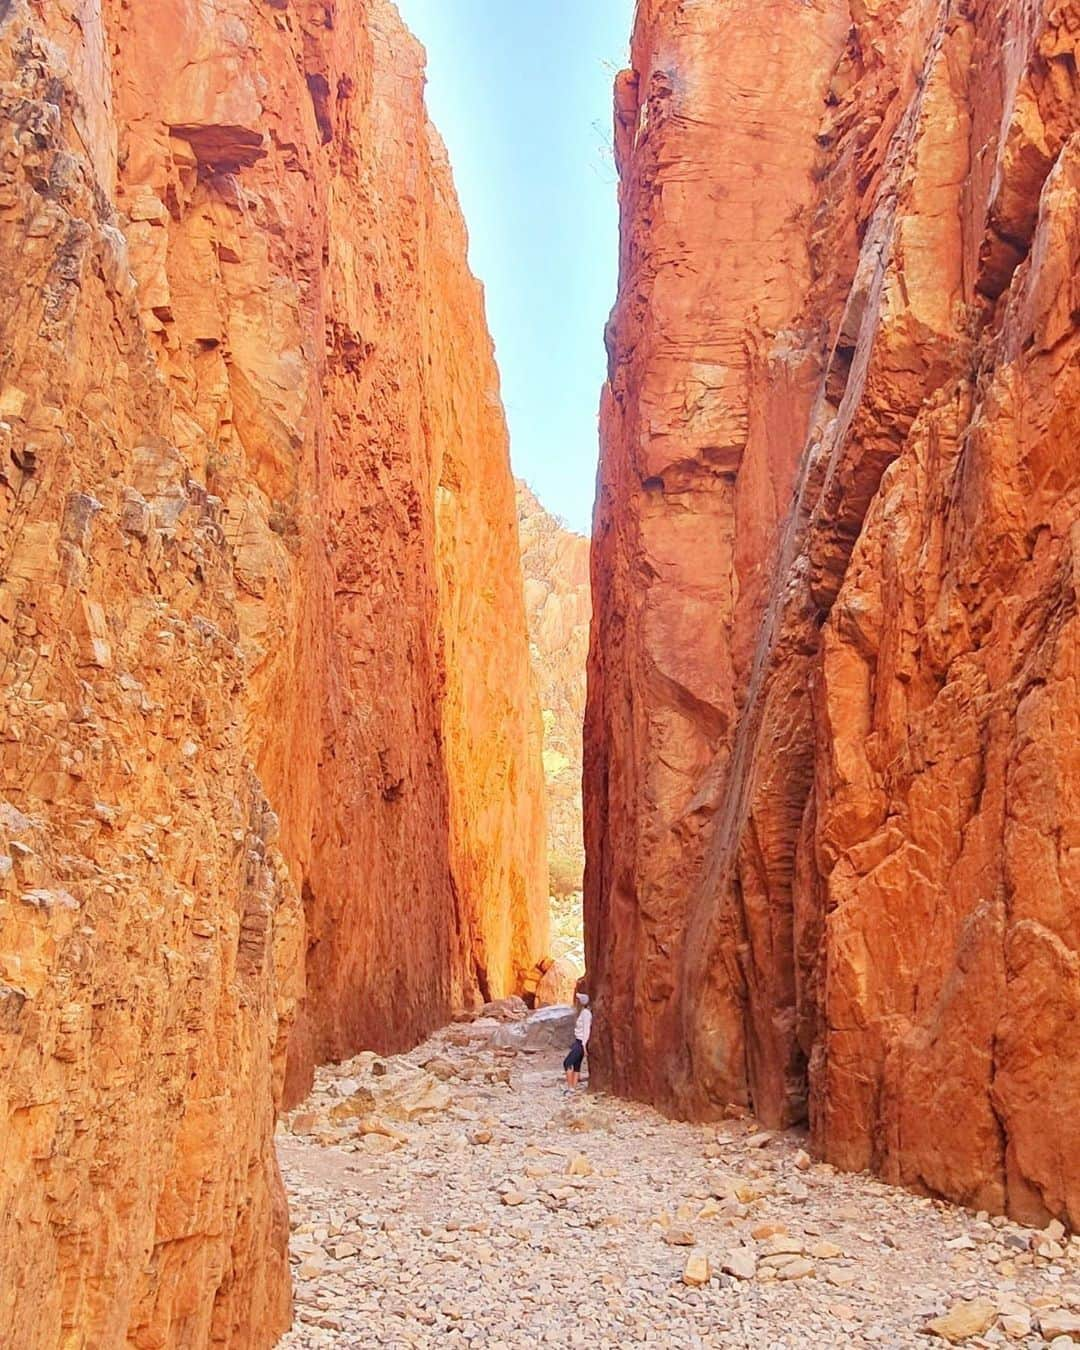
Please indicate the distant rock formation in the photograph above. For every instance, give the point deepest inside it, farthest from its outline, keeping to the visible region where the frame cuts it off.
(558, 608)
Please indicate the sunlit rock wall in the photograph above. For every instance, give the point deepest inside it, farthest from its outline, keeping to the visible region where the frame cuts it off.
(271, 776)
(428, 881)
(831, 763)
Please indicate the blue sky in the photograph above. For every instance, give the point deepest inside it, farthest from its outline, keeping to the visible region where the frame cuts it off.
(521, 91)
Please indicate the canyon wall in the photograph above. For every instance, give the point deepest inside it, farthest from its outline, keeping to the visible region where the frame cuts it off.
(271, 781)
(832, 768)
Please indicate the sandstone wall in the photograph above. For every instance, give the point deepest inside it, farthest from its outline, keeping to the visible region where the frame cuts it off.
(831, 769)
(432, 811)
(270, 764)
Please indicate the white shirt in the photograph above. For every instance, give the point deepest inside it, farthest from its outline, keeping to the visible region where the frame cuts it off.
(583, 1026)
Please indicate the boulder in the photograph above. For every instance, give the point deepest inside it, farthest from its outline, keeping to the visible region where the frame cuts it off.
(545, 1029)
(511, 1009)
(557, 985)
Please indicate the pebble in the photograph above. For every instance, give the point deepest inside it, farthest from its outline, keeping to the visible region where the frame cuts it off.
(741, 1263)
(963, 1320)
(696, 1270)
(1058, 1322)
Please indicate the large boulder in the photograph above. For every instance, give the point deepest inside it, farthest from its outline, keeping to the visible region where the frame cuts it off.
(545, 1029)
(558, 983)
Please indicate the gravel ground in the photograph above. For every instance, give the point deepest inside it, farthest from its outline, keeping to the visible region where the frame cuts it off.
(471, 1202)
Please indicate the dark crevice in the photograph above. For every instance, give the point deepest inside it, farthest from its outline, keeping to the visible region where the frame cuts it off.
(319, 90)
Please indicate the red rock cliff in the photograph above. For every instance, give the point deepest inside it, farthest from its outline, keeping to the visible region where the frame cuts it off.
(831, 751)
(271, 766)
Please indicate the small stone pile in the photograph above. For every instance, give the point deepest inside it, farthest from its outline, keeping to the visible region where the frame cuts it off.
(457, 1196)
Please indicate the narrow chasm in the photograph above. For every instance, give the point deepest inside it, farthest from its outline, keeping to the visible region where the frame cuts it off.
(422, 924)
(558, 609)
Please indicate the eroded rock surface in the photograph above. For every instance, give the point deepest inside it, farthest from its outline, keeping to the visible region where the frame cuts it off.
(271, 763)
(831, 752)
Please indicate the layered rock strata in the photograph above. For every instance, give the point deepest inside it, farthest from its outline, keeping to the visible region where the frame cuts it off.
(831, 755)
(271, 768)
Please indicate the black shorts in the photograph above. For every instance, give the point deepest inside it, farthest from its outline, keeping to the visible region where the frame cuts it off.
(574, 1059)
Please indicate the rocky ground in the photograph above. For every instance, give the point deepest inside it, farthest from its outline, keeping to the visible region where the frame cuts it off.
(456, 1196)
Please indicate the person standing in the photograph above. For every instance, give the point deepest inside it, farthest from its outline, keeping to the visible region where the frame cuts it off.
(582, 1029)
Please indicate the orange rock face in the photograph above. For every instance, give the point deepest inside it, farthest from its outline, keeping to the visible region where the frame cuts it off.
(431, 801)
(271, 761)
(831, 752)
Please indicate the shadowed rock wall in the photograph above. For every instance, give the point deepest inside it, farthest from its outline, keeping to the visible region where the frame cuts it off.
(831, 763)
(271, 770)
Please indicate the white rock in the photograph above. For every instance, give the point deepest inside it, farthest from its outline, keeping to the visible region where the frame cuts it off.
(741, 1263)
